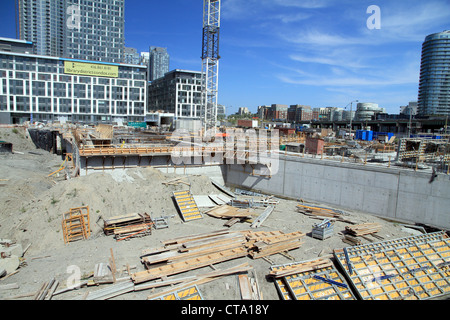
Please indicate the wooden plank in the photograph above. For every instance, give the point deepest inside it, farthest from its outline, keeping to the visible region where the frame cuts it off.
(244, 286)
(204, 278)
(103, 273)
(190, 264)
(175, 256)
(275, 248)
(300, 267)
(181, 240)
(363, 229)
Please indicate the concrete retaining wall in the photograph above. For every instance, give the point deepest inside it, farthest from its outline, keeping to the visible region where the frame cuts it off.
(398, 194)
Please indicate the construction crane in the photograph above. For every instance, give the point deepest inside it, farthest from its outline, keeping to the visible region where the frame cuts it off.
(210, 63)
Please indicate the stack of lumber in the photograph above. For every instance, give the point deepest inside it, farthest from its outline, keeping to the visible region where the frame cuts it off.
(127, 226)
(354, 241)
(263, 244)
(193, 252)
(320, 213)
(363, 229)
(189, 253)
(300, 268)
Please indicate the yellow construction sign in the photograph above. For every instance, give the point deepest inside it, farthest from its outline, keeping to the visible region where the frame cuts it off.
(91, 69)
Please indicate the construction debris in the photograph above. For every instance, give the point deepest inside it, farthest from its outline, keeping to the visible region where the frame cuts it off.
(128, 226)
(103, 274)
(47, 290)
(227, 212)
(351, 240)
(260, 220)
(189, 253)
(116, 223)
(200, 279)
(321, 213)
(363, 229)
(263, 244)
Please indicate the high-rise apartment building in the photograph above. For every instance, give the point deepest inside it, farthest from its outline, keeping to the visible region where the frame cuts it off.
(96, 30)
(131, 56)
(434, 86)
(179, 92)
(159, 63)
(77, 29)
(43, 22)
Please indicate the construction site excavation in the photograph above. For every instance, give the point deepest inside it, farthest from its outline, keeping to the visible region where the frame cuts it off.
(110, 213)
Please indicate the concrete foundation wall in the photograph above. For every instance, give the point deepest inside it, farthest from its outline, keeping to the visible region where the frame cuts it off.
(163, 163)
(394, 193)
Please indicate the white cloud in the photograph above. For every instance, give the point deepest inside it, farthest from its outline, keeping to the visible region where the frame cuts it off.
(305, 4)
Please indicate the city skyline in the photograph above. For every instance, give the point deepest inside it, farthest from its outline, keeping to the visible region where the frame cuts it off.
(319, 53)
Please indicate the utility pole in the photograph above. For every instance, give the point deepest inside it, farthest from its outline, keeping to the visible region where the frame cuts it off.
(210, 62)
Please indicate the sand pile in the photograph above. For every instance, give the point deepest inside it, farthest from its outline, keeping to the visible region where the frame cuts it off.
(107, 194)
(19, 137)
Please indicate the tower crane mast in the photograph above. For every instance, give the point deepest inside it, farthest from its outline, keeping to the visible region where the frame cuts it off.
(210, 62)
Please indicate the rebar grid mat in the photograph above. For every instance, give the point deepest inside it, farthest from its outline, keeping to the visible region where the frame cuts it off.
(412, 268)
(309, 286)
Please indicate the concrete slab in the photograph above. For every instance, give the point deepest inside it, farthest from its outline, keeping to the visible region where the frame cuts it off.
(10, 264)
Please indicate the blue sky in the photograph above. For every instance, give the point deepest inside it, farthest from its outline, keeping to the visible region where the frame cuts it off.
(313, 52)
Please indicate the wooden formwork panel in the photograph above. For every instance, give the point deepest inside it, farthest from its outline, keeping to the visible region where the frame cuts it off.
(191, 293)
(413, 268)
(308, 285)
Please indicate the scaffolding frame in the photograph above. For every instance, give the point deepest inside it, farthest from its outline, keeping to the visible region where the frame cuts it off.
(76, 224)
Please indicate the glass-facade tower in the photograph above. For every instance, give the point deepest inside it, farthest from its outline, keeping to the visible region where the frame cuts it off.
(434, 86)
(77, 29)
(43, 23)
(158, 63)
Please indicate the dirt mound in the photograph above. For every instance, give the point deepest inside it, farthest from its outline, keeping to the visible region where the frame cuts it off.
(107, 194)
(19, 137)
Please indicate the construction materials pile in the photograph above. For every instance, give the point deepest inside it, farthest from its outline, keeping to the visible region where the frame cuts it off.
(128, 226)
(321, 213)
(197, 251)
